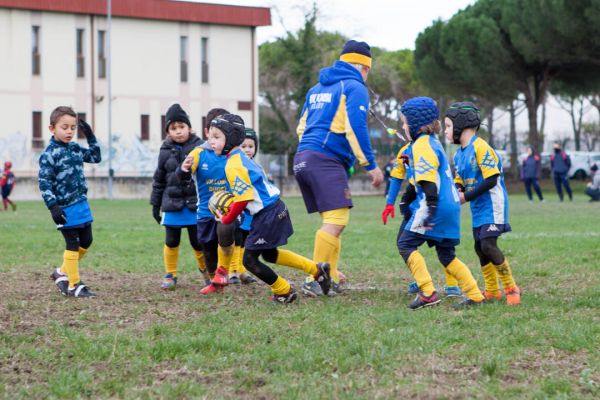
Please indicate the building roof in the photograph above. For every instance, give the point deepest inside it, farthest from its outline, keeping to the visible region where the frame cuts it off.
(153, 9)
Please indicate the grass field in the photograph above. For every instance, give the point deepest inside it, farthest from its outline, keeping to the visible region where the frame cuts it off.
(134, 341)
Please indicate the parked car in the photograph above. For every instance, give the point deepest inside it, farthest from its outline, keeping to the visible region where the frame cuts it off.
(581, 163)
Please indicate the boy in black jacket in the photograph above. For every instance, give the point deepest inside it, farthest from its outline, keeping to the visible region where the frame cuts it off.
(177, 198)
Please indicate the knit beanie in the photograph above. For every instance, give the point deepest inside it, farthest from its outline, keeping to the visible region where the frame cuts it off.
(419, 111)
(356, 53)
(176, 114)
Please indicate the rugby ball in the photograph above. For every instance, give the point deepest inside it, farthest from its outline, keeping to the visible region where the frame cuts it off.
(220, 201)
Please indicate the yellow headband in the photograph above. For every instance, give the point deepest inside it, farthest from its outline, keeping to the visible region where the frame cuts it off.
(356, 58)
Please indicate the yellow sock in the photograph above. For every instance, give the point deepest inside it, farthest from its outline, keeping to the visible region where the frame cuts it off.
(235, 260)
(418, 269)
(450, 280)
(465, 279)
(171, 255)
(225, 256)
(505, 274)
(281, 286)
(82, 252)
(327, 249)
(240, 255)
(71, 266)
(199, 256)
(490, 278)
(291, 259)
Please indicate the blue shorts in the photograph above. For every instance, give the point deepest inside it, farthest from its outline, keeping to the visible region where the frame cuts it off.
(271, 228)
(79, 215)
(6, 189)
(323, 182)
(177, 219)
(207, 230)
(490, 230)
(410, 241)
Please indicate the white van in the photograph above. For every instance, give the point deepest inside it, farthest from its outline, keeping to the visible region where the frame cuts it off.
(581, 162)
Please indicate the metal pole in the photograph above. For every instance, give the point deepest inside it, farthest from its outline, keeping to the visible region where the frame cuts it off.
(109, 83)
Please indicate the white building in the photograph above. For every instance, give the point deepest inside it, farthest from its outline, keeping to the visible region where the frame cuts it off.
(55, 53)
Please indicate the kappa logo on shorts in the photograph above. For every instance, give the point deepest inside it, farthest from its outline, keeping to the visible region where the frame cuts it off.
(299, 166)
(492, 228)
(239, 186)
(260, 241)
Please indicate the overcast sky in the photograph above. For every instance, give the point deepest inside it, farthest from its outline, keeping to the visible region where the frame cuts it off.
(389, 24)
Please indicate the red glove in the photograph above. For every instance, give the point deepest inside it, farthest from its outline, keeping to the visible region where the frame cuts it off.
(388, 210)
(235, 210)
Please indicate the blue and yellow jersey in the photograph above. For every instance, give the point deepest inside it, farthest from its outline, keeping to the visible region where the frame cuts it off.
(248, 182)
(401, 170)
(430, 164)
(208, 170)
(334, 117)
(475, 163)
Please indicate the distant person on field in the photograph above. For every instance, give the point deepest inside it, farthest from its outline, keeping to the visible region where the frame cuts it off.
(7, 182)
(560, 163)
(64, 190)
(593, 187)
(531, 172)
(480, 181)
(176, 197)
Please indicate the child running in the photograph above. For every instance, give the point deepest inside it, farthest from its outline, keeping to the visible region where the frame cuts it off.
(271, 223)
(7, 183)
(64, 190)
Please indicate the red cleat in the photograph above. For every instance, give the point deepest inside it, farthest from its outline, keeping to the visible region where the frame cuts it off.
(212, 288)
(220, 277)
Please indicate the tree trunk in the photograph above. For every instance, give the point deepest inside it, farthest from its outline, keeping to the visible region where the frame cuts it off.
(490, 119)
(532, 136)
(514, 158)
(542, 136)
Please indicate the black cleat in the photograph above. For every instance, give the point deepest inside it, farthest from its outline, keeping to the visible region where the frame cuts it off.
(323, 277)
(422, 301)
(467, 303)
(61, 280)
(285, 298)
(81, 290)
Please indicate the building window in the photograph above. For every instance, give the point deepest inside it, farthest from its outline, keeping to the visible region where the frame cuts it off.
(101, 54)
(245, 105)
(204, 59)
(37, 142)
(80, 134)
(183, 46)
(80, 53)
(35, 50)
(145, 128)
(163, 126)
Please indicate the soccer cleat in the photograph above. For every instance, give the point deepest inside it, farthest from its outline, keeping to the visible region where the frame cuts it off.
(205, 275)
(285, 298)
(513, 296)
(452, 291)
(422, 301)
(413, 288)
(490, 296)
(234, 279)
(466, 303)
(169, 282)
(323, 277)
(220, 277)
(311, 287)
(335, 289)
(247, 279)
(80, 290)
(212, 288)
(61, 280)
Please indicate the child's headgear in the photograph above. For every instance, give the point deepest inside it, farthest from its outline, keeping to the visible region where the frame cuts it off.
(463, 115)
(233, 128)
(7, 165)
(419, 111)
(251, 134)
(356, 53)
(176, 114)
(594, 168)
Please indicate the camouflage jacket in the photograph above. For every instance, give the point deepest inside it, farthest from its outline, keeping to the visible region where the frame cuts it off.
(61, 179)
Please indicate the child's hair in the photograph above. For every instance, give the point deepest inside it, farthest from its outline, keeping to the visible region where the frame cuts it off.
(214, 113)
(59, 112)
(433, 127)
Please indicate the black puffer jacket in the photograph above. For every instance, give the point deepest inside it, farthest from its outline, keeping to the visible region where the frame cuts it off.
(168, 191)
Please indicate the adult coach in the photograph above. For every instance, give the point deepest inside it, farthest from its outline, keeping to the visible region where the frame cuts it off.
(333, 135)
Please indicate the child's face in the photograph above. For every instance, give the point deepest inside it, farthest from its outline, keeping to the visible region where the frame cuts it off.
(249, 147)
(179, 132)
(64, 129)
(216, 140)
(449, 130)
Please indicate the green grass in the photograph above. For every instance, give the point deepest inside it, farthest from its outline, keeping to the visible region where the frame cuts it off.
(134, 341)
